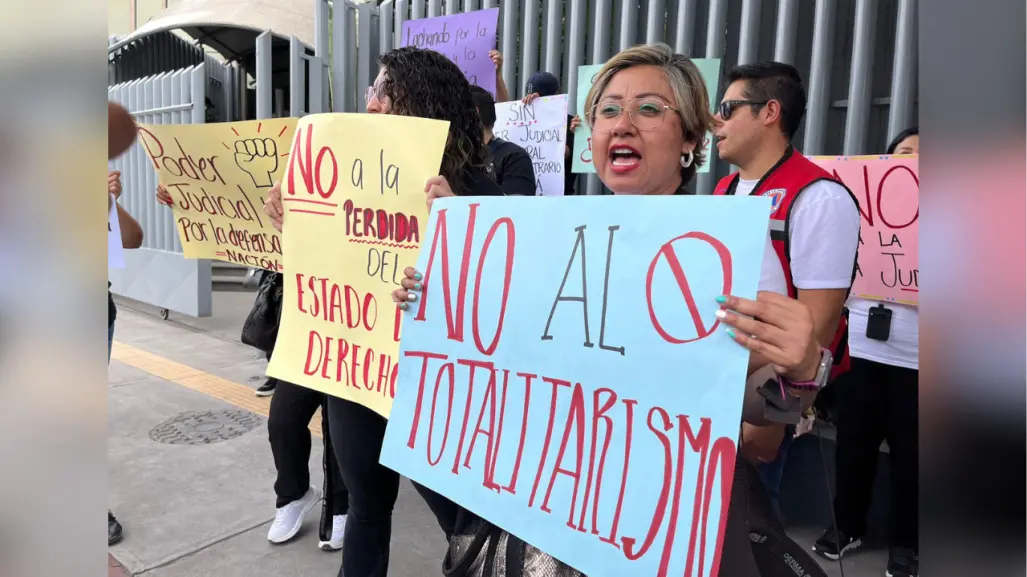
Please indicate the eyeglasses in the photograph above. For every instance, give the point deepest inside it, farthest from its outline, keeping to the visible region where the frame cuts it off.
(727, 108)
(372, 93)
(644, 114)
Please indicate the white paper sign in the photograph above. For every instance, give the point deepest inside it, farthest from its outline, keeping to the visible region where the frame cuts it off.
(540, 128)
(115, 250)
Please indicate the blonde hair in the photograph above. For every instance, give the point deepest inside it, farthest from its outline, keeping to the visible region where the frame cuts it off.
(685, 80)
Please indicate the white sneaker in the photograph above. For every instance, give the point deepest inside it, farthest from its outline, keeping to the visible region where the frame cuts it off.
(334, 543)
(289, 519)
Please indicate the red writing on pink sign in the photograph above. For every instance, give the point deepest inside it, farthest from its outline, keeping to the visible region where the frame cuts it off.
(888, 191)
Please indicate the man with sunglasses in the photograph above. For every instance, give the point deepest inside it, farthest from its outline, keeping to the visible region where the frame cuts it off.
(814, 226)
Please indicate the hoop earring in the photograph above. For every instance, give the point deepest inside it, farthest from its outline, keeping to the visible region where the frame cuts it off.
(686, 160)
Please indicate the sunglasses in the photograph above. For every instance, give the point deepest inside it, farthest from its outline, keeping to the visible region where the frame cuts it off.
(727, 108)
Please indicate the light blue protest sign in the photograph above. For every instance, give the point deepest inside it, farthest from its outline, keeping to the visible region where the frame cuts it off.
(564, 376)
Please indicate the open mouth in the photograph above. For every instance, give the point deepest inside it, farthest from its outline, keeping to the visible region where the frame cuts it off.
(624, 158)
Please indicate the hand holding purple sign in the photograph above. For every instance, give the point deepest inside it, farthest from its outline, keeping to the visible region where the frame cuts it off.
(463, 38)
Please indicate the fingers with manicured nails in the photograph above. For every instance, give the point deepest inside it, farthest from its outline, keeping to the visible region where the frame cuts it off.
(765, 333)
(781, 328)
(411, 281)
(399, 296)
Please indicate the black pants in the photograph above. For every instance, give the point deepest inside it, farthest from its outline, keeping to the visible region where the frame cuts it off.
(357, 434)
(877, 402)
(292, 407)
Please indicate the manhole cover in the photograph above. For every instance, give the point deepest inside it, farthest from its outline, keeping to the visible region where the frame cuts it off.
(204, 428)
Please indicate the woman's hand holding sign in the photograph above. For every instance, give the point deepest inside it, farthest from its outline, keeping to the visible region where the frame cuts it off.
(437, 187)
(411, 281)
(778, 328)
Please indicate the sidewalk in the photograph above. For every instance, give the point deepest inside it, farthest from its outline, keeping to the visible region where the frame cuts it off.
(203, 509)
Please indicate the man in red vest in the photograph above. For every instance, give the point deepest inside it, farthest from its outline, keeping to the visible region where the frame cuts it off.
(814, 226)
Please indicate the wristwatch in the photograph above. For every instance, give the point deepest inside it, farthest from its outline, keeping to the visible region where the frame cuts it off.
(820, 380)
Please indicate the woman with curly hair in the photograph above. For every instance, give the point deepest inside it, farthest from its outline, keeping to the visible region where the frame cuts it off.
(426, 84)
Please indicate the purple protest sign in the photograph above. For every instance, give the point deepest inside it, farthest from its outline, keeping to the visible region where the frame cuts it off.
(464, 38)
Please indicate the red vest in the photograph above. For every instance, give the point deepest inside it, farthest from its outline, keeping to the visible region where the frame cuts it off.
(783, 183)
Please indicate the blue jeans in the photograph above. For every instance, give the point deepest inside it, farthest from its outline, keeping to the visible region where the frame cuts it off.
(773, 471)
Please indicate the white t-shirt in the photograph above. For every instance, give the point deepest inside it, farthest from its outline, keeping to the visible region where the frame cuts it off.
(902, 349)
(823, 234)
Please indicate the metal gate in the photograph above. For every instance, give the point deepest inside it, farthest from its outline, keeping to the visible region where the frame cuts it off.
(157, 273)
(858, 57)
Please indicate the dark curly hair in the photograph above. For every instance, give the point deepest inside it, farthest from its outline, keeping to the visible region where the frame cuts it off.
(426, 84)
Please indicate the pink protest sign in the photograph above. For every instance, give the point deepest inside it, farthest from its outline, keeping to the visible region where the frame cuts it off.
(888, 191)
(464, 38)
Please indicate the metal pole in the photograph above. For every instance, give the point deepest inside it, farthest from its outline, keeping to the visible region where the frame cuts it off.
(554, 38)
(319, 74)
(860, 79)
(684, 37)
(600, 54)
(263, 74)
(576, 54)
(787, 27)
(628, 24)
(529, 44)
(400, 16)
(510, 19)
(716, 40)
(820, 77)
(749, 33)
(385, 26)
(655, 22)
(297, 91)
(903, 81)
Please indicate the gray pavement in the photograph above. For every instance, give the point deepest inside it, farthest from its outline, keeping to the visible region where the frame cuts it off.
(204, 510)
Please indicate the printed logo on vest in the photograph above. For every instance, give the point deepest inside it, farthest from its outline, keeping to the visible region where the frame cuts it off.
(775, 198)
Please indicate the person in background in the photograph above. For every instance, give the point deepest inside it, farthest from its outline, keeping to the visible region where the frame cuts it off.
(877, 401)
(424, 84)
(541, 84)
(292, 407)
(814, 232)
(131, 237)
(511, 165)
(649, 113)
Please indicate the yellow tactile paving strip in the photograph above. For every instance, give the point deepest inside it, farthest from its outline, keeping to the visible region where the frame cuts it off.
(222, 389)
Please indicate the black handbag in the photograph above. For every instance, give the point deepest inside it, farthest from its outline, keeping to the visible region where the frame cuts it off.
(755, 543)
(261, 327)
(484, 550)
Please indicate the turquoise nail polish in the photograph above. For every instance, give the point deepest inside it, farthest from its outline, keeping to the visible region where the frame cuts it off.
(417, 276)
(417, 286)
(722, 299)
(402, 306)
(730, 333)
(411, 297)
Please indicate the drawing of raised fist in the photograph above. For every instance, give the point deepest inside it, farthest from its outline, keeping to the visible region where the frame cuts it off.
(258, 157)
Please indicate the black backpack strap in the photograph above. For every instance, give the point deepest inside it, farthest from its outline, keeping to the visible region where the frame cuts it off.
(460, 567)
(514, 556)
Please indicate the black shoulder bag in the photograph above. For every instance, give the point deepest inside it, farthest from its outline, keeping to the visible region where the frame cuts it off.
(755, 543)
(261, 327)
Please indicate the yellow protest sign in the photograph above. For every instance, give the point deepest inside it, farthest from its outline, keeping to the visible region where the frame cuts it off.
(218, 175)
(354, 216)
